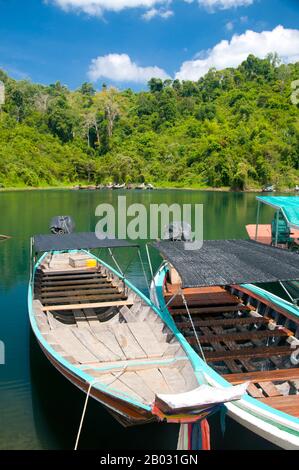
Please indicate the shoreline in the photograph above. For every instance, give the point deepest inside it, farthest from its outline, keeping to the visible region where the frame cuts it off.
(207, 189)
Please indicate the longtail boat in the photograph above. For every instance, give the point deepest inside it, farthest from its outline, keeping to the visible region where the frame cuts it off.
(106, 337)
(238, 331)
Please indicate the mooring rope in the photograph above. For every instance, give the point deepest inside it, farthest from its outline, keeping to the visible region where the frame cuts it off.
(192, 324)
(84, 411)
(91, 384)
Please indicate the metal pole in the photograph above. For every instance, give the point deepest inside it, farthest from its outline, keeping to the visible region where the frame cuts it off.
(276, 231)
(144, 272)
(151, 268)
(257, 220)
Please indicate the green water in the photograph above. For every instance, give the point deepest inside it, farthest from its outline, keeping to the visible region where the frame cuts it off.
(39, 409)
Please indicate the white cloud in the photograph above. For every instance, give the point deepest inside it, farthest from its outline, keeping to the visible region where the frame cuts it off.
(120, 68)
(229, 26)
(243, 19)
(161, 12)
(224, 4)
(97, 7)
(232, 53)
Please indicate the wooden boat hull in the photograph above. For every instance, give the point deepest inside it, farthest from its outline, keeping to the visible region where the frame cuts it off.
(129, 415)
(78, 353)
(271, 424)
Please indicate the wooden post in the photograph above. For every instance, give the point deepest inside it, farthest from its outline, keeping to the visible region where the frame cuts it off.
(257, 220)
(276, 231)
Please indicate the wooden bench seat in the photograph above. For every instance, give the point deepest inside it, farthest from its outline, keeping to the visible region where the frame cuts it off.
(248, 335)
(208, 310)
(248, 353)
(117, 303)
(85, 298)
(77, 292)
(62, 285)
(223, 322)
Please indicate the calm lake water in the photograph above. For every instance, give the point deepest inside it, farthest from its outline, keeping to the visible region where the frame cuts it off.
(39, 409)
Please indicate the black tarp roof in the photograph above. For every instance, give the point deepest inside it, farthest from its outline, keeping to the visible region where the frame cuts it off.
(226, 262)
(75, 241)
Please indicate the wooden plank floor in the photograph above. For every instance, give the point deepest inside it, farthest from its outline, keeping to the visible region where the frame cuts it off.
(288, 404)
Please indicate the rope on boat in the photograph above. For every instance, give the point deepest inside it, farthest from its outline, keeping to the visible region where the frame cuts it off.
(173, 297)
(144, 272)
(192, 324)
(116, 263)
(91, 384)
(287, 292)
(84, 411)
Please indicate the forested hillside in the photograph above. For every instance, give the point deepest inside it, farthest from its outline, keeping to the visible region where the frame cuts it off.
(234, 128)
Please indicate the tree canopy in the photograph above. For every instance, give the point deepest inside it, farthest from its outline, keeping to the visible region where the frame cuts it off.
(235, 128)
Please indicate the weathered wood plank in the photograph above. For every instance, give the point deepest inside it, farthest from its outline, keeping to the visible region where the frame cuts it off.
(154, 380)
(208, 310)
(205, 339)
(54, 323)
(288, 404)
(174, 379)
(263, 376)
(146, 339)
(269, 389)
(73, 346)
(76, 293)
(87, 305)
(136, 383)
(84, 298)
(232, 365)
(124, 389)
(73, 285)
(254, 391)
(248, 353)
(127, 341)
(104, 334)
(46, 273)
(223, 322)
(134, 365)
(96, 347)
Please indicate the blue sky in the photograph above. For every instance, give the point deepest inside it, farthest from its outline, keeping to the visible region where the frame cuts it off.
(45, 42)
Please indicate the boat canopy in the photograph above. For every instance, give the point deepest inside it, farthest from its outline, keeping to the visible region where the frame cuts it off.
(76, 241)
(288, 205)
(228, 262)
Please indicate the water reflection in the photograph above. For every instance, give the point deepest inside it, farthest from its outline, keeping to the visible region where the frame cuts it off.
(39, 408)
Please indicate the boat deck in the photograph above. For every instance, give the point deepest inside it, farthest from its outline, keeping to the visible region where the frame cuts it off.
(239, 343)
(92, 321)
(264, 234)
